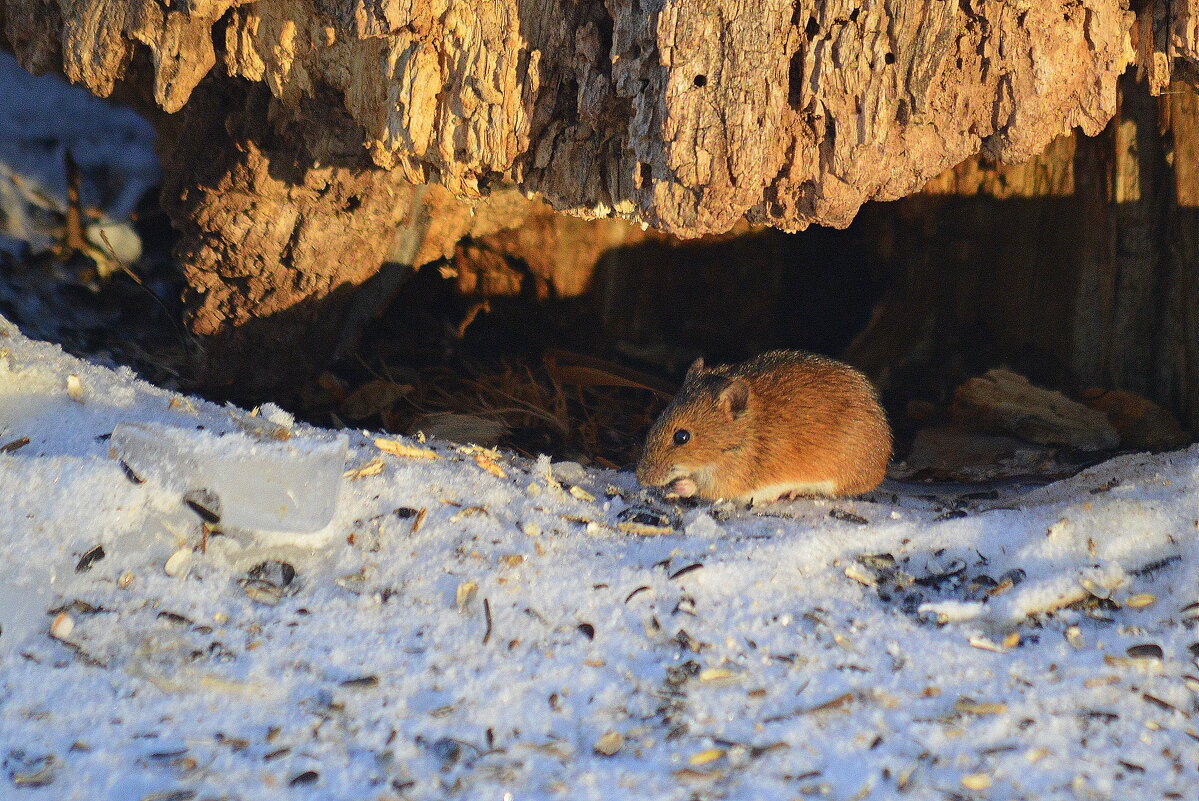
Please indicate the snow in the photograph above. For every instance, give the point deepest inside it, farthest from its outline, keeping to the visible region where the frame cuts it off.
(470, 625)
(42, 119)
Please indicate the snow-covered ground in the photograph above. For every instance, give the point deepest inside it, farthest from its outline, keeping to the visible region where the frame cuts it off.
(41, 120)
(481, 626)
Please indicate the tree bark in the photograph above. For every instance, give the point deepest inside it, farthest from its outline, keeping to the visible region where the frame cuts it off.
(305, 124)
(685, 115)
(1078, 268)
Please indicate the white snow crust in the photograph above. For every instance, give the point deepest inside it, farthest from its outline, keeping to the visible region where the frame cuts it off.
(454, 634)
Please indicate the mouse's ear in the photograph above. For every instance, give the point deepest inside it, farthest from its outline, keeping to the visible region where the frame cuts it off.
(696, 368)
(734, 398)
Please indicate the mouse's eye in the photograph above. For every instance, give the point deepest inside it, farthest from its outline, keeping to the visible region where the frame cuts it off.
(682, 436)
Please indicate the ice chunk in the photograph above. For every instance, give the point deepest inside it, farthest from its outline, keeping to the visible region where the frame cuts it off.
(251, 484)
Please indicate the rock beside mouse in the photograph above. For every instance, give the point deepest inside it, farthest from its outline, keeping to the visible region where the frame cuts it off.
(785, 423)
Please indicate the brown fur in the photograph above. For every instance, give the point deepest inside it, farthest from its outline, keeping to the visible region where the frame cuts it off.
(782, 418)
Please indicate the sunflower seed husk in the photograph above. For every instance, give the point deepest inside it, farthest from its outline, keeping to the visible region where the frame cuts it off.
(706, 756)
(397, 448)
(976, 781)
(465, 593)
(41, 777)
(372, 468)
(609, 743)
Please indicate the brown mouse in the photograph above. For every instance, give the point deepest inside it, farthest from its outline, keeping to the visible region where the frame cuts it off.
(785, 423)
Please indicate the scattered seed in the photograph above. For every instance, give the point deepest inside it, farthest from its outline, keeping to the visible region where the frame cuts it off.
(847, 516)
(180, 402)
(262, 592)
(464, 595)
(976, 781)
(490, 465)
(125, 580)
(170, 795)
(130, 473)
(204, 503)
(983, 644)
(706, 756)
(1141, 600)
(447, 749)
(643, 530)
(1159, 703)
(610, 743)
(693, 775)
(469, 511)
(1000, 588)
(1145, 651)
(372, 468)
(90, 558)
(41, 777)
(839, 701)
(682, 571)
(273, 571)
(177, 564)
(1156, 565)
(62, 626)
(397, 448)
(1011, 640)
(361, 682)
(512, 559)
(419, 520)
(1074, 636)
(718, 674)
(587, 630)
(75, 388)
(969, 707)
(861, 574)
(635, 592)
(307, 777)
(487, 617)
(15, 445)
(582, 494)
(1148, 663)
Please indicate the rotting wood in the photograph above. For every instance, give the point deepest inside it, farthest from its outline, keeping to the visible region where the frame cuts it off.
(687, 116)
(304, 126)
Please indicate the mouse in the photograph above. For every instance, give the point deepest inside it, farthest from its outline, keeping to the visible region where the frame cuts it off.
(784, 424)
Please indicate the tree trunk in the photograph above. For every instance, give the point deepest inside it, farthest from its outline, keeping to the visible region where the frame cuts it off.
(287, 177)
(1079, 269)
